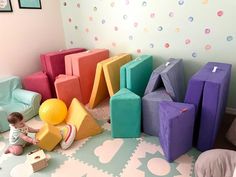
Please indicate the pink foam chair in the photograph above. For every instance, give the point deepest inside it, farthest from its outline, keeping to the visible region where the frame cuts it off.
(83, 65)
(38, 82)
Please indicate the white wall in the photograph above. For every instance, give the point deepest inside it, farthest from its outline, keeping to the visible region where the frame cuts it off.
(198, 31)
(25, 33)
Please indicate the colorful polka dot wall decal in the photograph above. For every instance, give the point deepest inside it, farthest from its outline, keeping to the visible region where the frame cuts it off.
(76, 27)
(71, 42)
(159, 28)
(112, 4)
(187, 41)
(125, 17)
(90, 18)
(167, 45)
(131, 37)
(103, 21)
(207, 30)
(135, 24)
(86, 30)
(152, 15)
(177, 29)
(220, 13)
(96, 38)
(151, 45)
(113, 44)
(64, 4)
(69, 19)
(116, 28)
(190, 19)
(139, 50)
(95, 8)
(229, 38)
(208, 47)
(204, 1)
(127, 2)
(181, 2)
(144, 3)
(171, 14)
(194, 54)
(78, 5)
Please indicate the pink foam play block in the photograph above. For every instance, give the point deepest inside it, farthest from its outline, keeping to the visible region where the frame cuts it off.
(67, 88)
(84, 66)
(53, 64)
(38, 82)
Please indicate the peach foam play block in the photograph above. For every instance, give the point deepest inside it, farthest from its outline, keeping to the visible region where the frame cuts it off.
(49, 136)
(85, 124)
(112, 72)
(67, 88)
(99, 92)
(84, 65)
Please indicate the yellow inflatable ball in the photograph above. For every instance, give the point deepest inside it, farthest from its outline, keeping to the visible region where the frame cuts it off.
(53, 111)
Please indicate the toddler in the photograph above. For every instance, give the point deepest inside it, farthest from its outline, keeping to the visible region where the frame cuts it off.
(18, 134)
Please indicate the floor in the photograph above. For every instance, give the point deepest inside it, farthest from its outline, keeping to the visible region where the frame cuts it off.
(103, 156)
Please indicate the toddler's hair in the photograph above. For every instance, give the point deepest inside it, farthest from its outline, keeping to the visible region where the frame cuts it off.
(15, 117)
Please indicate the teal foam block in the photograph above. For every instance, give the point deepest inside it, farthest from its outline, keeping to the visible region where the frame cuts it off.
(125, 108)
(135, 74)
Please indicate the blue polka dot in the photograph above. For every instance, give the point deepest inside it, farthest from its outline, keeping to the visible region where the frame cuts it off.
(131, 37)
(190, 19)
(160, 28)
(181, 2)
(229, 38)
(125, 17)
(103, 21)
(194, 54)
(151, 45)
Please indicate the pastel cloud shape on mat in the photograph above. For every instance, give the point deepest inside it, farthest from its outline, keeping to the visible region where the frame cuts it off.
(22, 170)
(108, 150)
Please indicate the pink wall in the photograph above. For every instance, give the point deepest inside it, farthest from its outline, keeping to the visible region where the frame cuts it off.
(25, 33)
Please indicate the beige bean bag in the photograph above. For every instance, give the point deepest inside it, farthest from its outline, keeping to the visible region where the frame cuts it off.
(216, 163)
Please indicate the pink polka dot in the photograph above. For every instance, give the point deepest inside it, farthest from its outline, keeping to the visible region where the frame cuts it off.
(127, 2)
(113, 44)
(187, 41)
(220, 13)
(86, 30)
(208, 47)
(135, 24)
(171, 14)
(90, 18)
(152, 15)
(116, 28)
(69, 19)
(167, 45)
(207, 30)
(78, 5)
(96, 38)
(139, 51)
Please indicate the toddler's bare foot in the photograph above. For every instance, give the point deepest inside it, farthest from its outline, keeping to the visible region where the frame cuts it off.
(7, 151)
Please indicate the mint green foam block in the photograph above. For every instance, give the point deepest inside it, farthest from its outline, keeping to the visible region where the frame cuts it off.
(135, 74)
(125, 108)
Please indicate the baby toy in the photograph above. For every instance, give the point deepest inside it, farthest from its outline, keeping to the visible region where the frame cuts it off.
(37, 159)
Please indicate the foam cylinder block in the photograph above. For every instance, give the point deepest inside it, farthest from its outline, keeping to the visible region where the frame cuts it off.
(125, 108)
(38, 82)
(112, 72)
(84, 66)
(171, 75)
(67, 88)
(99, 91)
(135, 74)
(53, 64)
(85, 124)
(176, 128)
(150, 111)
(49, 136)
(208, 91)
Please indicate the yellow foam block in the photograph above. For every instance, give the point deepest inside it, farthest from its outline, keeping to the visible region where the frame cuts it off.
(85, 124)
(112, 72)
(99, 91)
(49, 136)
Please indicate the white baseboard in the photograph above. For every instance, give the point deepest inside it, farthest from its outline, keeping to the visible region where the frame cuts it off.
(231, 110)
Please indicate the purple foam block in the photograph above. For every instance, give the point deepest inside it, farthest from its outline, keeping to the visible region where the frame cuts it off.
(176, 128)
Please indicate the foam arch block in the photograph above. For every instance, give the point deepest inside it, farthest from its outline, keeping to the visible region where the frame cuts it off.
(85, 124)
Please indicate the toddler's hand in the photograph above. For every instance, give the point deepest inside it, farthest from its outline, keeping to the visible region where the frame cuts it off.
(35, 141)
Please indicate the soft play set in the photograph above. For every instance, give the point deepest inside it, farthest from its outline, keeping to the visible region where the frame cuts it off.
(142, 99)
